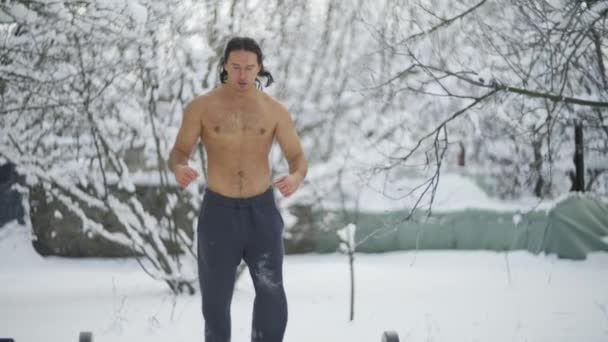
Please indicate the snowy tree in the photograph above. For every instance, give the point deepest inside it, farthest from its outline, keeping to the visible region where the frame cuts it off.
(80, 93)
(507, 80)
(92, 94)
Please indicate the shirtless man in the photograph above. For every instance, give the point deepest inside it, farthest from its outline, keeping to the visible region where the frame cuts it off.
(239, 219)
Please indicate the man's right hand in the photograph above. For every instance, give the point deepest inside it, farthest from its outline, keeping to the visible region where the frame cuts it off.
(184, 175)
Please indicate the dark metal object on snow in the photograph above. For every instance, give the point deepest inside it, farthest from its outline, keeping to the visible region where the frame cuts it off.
(390, 336)
(85, 336)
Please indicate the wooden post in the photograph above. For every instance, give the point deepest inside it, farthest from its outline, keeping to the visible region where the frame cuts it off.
(461, 155)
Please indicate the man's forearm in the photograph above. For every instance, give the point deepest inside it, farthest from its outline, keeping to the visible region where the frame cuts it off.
(177, 157)
(298, 166)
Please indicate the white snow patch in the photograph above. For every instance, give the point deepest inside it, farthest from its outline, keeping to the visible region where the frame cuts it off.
(517, 219)
(347, 238)
(424, 296)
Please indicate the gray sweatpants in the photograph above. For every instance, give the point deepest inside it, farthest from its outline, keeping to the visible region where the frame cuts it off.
(251, 229)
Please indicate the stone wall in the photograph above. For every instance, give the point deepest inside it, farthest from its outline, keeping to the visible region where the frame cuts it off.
(58, 231)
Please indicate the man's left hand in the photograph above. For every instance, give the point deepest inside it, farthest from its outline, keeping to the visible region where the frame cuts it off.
(288, 184)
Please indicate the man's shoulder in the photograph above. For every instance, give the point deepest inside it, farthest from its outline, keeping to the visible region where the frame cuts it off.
(202, 101)
(274, 104)
(206, 97)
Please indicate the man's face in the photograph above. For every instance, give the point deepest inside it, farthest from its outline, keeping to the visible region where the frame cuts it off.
(242, 68)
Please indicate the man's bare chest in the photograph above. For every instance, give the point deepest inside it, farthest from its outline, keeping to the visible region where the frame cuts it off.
(238, 123)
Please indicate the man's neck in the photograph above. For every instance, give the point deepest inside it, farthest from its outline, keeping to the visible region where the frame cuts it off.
(239, 94)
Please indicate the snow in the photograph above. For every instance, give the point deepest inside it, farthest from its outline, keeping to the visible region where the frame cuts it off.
(455, 192)
(57, 214)
(140, 13)
(347, 238)
(517, 219)
(424, 296)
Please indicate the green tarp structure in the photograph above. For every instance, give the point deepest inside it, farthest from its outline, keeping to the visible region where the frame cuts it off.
(573, 228)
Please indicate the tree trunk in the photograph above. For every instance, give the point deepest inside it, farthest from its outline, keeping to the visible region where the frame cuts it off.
(461, 155)
(579, 159)
(538, 166)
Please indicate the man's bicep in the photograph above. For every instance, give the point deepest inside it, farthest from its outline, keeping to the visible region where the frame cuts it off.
(287, 137)
(189, 131)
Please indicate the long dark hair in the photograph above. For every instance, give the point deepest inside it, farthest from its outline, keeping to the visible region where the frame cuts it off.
(247, 44)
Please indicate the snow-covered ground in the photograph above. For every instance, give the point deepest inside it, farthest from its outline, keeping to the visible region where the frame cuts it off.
(425, 296)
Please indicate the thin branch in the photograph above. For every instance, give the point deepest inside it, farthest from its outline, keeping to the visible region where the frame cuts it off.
(445, 22)
(445, 122)
(552, 97)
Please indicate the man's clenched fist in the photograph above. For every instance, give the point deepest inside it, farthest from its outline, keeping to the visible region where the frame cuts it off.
(184, 175)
